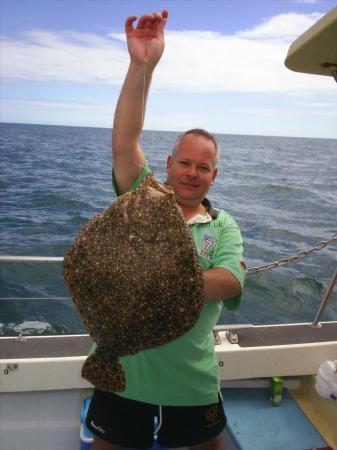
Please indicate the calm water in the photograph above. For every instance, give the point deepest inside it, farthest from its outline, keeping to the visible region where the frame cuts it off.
(281, 191)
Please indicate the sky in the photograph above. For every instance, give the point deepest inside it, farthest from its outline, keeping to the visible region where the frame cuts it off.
(63, 62)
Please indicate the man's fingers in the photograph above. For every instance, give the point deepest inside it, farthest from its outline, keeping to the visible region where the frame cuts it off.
(150, 21)
(162, 23)
(142, 22)
(151, 24)
(158, 22)
(164, 14)
(129, 23)
(156, 18)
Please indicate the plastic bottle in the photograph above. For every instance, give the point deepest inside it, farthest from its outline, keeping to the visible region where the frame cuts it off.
(275, 391)
(326, 380)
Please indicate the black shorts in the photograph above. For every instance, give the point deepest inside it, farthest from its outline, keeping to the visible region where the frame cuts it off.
(130, 423)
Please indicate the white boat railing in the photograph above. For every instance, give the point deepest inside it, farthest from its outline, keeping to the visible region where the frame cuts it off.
(51, 259)
(34, 259)
(250, 271)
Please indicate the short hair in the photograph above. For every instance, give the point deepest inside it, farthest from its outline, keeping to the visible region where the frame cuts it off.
(198, 132)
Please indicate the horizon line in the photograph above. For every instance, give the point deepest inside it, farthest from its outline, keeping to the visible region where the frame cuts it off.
(168, 131)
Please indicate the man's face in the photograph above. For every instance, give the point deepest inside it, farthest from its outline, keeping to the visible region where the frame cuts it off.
(192, 170)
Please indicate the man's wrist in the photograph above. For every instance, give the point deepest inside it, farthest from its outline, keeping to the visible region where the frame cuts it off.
(148, 67)
(138, 64)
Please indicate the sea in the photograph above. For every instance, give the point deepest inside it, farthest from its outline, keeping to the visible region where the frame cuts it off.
(282, 191)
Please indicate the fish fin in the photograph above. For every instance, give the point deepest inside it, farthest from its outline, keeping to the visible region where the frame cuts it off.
(106, 374)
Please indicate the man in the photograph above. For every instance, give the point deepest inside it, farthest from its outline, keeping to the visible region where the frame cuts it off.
(178, 382)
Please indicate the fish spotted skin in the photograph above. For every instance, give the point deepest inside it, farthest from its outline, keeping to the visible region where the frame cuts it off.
(134, 276)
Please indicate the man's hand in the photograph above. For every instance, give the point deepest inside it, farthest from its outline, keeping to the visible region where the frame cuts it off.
(146, 41)
(146, 45)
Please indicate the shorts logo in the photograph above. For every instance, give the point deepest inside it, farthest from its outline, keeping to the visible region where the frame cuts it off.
(212, 413)
(207, 246)
(97, 427)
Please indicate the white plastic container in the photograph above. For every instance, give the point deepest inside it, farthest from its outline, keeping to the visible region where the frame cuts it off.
(326, 380)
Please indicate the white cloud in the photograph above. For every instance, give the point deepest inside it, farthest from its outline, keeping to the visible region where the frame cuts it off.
(194, 61)
(283, 28)
(58, 105)
(56, 112)
(199, 62)
(62, 56)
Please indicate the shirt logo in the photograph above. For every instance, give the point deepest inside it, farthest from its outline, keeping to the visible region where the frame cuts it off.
(207, 246)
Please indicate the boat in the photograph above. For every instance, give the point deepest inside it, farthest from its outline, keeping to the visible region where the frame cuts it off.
(315, 51)
(269, 373)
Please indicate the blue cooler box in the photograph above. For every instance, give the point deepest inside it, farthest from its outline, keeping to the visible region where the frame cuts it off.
(86, 436)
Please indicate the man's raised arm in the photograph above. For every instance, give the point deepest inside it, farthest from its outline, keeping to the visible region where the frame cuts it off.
(145, 45)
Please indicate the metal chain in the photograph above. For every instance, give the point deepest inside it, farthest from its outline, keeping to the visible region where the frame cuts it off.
(294, 258)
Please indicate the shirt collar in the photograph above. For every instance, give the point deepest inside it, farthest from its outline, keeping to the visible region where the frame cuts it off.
(210, 214)
(211, 211)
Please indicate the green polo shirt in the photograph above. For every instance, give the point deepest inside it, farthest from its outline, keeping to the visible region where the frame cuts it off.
(185, 371)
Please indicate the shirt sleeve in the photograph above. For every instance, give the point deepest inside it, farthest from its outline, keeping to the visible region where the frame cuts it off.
(228, 254)
(136, 183)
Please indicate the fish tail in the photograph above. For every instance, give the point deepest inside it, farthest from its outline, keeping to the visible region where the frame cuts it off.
(104, 373)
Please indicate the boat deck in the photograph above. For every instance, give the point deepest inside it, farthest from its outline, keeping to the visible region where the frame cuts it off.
(271, 335)
(79, 345)
(253, 423)
(45, 346)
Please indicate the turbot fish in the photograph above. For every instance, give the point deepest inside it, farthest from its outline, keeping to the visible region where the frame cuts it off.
(134, 276)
